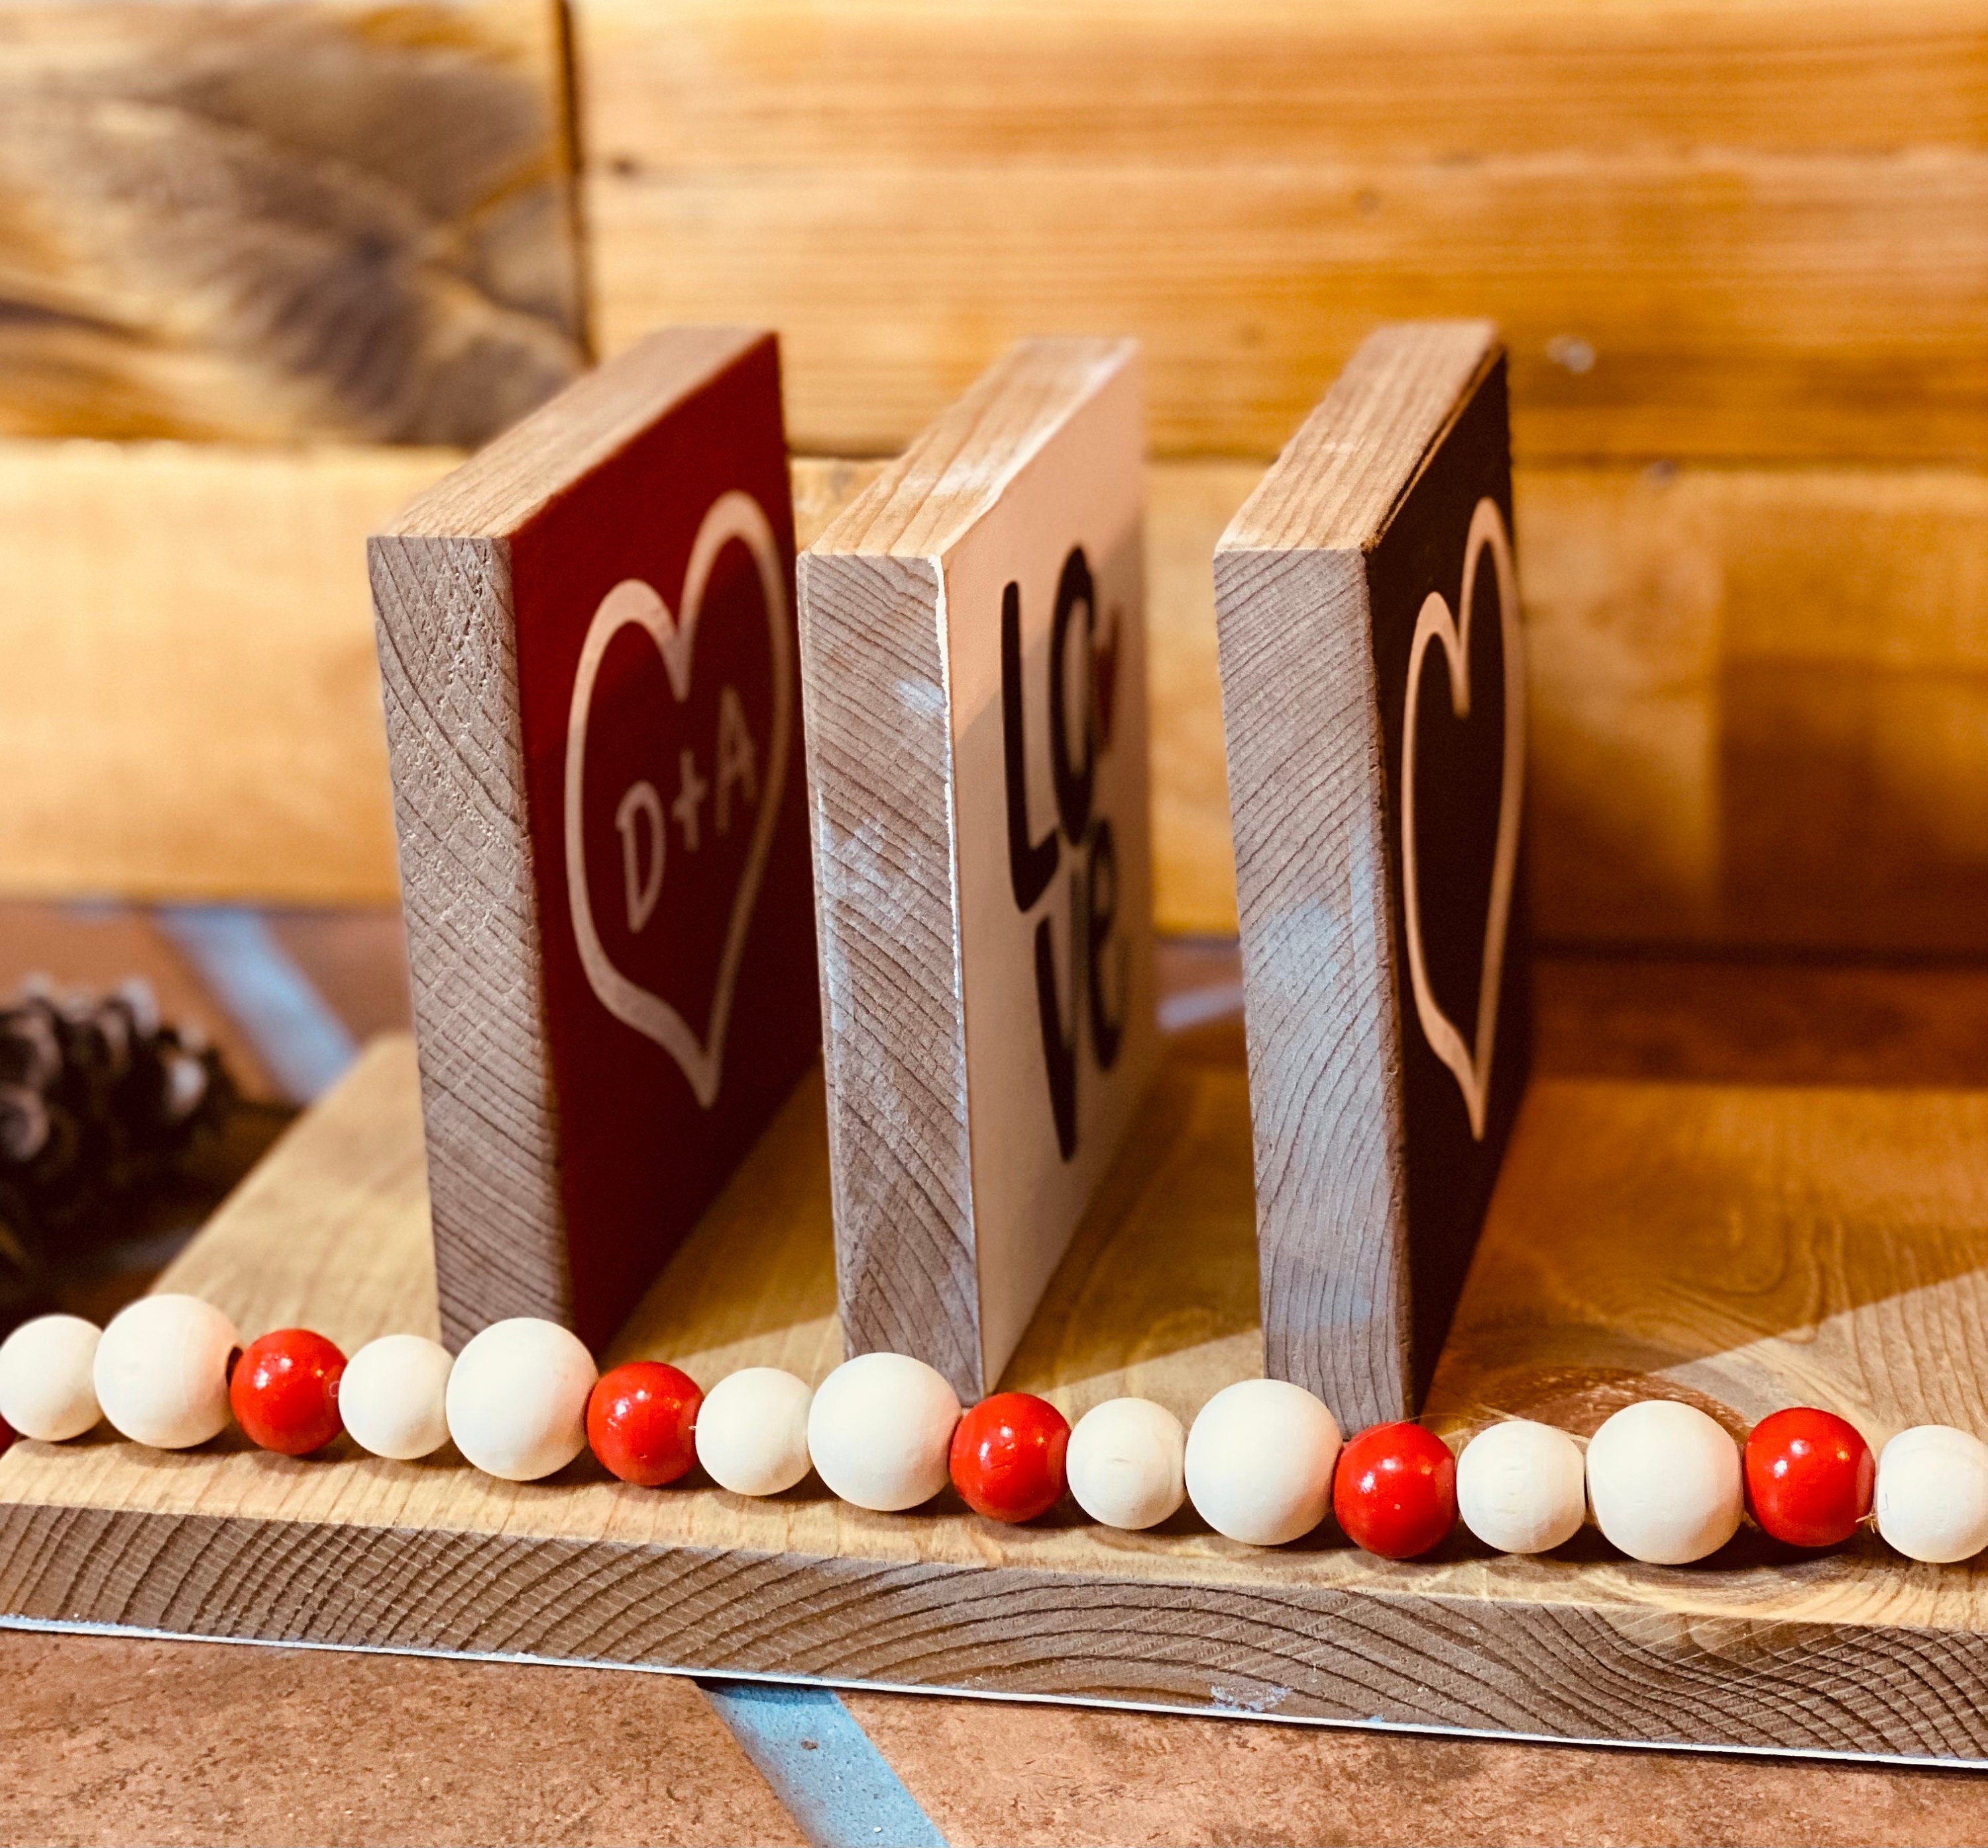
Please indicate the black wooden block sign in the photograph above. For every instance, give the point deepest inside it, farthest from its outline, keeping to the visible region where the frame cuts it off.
(1374, 694)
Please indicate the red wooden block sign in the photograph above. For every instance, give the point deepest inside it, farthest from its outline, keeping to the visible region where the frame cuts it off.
(587, 639)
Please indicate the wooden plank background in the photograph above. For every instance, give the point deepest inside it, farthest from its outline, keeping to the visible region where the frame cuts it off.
(191, 707)
(1757, 230)
(1759, 699)
(1740, 255)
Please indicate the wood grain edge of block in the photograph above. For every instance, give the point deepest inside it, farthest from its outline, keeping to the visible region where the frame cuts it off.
(443, 619)
(1320, 1012)
(497, 490)
(1346, 468)
(880, 794)
(1314, 905)
(1253, 1649)
(923, 501)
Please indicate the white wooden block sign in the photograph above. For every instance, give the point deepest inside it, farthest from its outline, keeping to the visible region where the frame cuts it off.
(974, 676)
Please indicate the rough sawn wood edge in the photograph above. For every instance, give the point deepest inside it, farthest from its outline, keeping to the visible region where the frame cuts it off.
(880, 729)
(1307, 803)
(499, 489)
(924, 501)
(879, 744)
(446, 631)
(1302, 1653)
(445, 625)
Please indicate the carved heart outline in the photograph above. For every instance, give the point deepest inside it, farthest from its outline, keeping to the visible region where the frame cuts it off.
(733, 515)
(1471, 1069)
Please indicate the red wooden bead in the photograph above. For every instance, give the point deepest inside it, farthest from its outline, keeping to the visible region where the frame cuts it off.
(284, 1391)
(1809, 1476)
(641, 1421)
(1394, 1491)
(1007, 1460)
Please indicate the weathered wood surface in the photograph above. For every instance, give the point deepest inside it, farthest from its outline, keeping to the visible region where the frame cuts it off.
(1384, 958)
(592, 606)
(1701, 229)
(1703, 642)
(1744, 1020)
(192, 707)
(1824, 1243)
(982, 881)
(265, 220)
(1758, 700)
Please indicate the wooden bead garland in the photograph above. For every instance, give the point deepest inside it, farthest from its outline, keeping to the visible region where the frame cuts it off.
(1664, 1480)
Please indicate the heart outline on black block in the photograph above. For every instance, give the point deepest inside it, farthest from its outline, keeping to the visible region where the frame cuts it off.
(733, 515)
(1470, 1066)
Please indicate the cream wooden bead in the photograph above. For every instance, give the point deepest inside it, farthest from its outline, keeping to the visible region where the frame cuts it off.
(516, 1398)
(46, 1390)
(1522, 1487)
(1259, 1461)
(1664, 1480)
(1933, 1494)
(394, 1396)
(753, 1431)
(1126, 1463)
(160, 1371)
(880, 1430)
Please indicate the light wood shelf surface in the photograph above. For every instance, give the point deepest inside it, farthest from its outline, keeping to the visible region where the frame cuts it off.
(1744, 1246)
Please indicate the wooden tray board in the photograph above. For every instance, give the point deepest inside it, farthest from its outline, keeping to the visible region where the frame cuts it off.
(1746, 1246)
